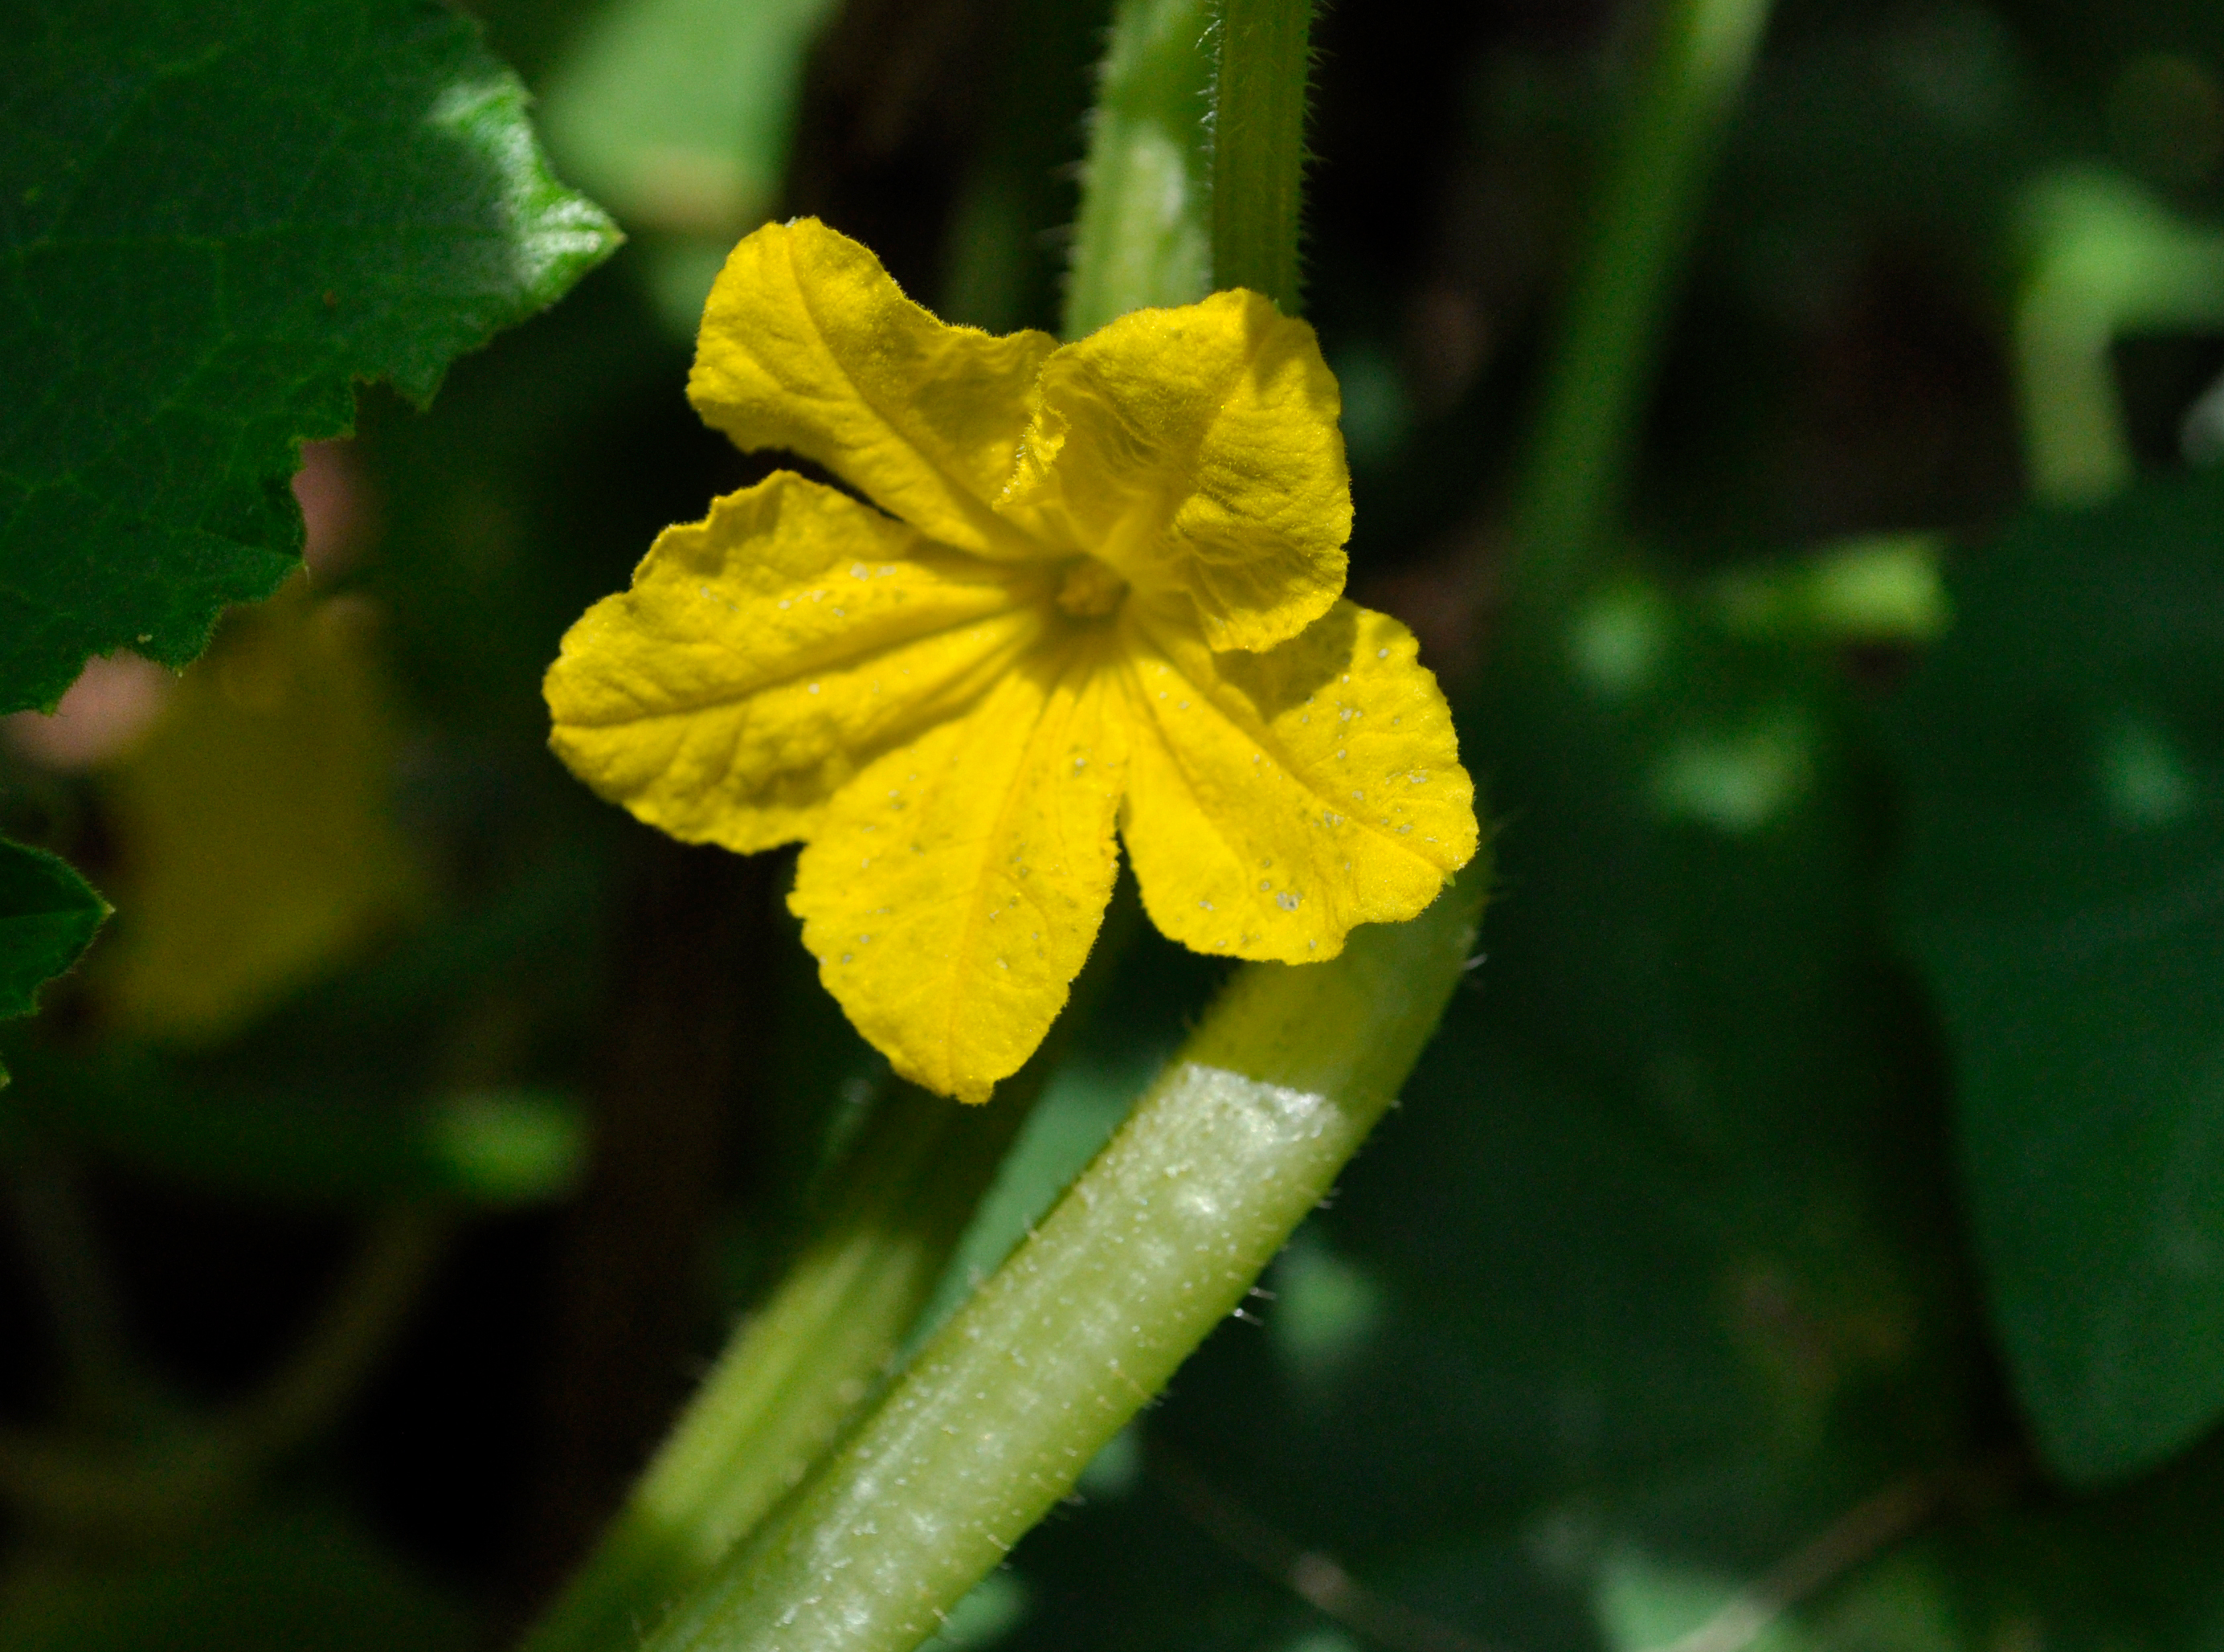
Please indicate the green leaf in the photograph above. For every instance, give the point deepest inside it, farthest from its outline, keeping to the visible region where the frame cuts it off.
(2061, 887)
(214, 221)
(47, 916)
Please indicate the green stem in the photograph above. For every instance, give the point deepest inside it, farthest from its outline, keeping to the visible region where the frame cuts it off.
(804, 1362)
(358, 1324)
(70, 1264)
(1258, 145)
(1601, 370)
(189, 1478)
(2104, 259)
(799, 1367)
(1144, 235)
(1154, 1245)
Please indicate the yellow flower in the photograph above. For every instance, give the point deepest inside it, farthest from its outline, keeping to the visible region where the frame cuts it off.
(1105, 593)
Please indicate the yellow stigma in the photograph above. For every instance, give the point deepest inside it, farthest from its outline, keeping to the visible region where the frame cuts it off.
(1092, 589)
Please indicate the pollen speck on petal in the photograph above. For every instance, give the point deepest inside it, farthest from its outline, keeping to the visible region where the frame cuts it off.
(1186, 822)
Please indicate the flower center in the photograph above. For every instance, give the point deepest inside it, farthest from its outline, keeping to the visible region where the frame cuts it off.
(1092, 589)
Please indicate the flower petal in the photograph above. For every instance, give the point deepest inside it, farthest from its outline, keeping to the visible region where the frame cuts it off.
(762, 656)
(808, 344)
(955, 887)
(1196, 449)
(1276, 800)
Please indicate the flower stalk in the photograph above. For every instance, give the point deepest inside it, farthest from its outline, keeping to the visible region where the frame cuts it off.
(1258, 145)
(798, 1368)
(1145, 232)
(1156, 1244)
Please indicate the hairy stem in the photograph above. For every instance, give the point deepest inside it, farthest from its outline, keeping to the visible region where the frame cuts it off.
(797, 1368)
(1145, 232)
(1156, 1243)
(1258, 145)
(804, 1362)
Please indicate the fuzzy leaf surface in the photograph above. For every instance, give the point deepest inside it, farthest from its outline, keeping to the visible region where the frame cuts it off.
(213, 223)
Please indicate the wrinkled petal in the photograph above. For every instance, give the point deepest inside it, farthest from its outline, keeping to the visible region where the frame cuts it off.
(954, 891)
(808, 344)
(1196, 449)
(1275, 800)
(762, 656)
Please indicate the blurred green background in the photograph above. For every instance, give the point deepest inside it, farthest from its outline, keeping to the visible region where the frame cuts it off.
(1807, 1230)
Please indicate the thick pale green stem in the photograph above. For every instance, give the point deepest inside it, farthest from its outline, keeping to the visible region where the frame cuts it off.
(1155, 1244)
(799, 1367)
(803, 1365)
(1258, 145)
(1601, 369)
(1145, 233)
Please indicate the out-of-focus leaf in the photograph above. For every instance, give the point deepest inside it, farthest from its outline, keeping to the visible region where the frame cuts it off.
(415, 1074)
(337, 1142)
(678, 113)
(984, 1618)
(1879, 591)
(298, 1582)
(2061, 885)
(1924, 117)
(214, 221)
(254, 826)
(527, 489)
(47, 916)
